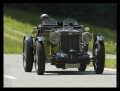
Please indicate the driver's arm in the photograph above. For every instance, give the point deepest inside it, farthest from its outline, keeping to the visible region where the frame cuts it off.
(35, 31)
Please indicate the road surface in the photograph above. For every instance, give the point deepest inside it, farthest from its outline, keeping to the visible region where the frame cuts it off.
(15, 76)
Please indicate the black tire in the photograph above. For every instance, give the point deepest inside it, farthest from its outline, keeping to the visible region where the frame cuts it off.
(39, 58)
(28, 58)
(100, 57)
(82, 67)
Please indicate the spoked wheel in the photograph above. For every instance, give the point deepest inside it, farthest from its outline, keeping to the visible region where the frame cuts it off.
(28, 58)
(99, 53)
(82, 67)
(39, 58)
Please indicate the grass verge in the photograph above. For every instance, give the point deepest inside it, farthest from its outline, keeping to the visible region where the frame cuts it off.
(109, 63)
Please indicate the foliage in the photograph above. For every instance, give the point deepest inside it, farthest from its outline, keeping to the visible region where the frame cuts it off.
(100, 14)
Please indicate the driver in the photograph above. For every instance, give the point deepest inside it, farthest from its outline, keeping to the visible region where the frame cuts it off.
(44, 18)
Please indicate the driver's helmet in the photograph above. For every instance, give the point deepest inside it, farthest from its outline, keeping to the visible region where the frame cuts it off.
(44, 18)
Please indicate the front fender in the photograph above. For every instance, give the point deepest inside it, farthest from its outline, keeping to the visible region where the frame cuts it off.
(41, 38)
(100, 38)
(97, 38)
(29, 42)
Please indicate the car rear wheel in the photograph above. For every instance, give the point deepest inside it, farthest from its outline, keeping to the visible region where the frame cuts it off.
(28, 58)
(99, 53)
(39, 58)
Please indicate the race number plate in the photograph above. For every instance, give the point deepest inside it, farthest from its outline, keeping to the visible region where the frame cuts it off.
(72, 65)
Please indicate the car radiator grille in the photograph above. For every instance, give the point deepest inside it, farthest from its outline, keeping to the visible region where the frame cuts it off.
(69, 42)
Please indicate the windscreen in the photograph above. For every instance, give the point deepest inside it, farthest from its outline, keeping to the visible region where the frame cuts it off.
(51, 21)
(70, 20)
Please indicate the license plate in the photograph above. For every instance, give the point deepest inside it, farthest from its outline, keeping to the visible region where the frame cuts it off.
(72, 65)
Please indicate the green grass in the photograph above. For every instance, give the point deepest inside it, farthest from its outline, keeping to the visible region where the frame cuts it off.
(12, 46)
(109, 63)
(19, 23)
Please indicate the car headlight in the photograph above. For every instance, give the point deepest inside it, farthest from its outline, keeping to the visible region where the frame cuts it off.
(54, 37)
(87, 37)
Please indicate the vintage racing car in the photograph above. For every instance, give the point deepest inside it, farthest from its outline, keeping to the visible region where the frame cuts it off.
(64, 45)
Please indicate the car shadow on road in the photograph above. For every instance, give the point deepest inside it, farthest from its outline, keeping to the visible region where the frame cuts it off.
(73, 73)
(76, 73)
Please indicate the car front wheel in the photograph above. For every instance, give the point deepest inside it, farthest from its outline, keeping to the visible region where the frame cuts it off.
(99, 53)
(39, 58)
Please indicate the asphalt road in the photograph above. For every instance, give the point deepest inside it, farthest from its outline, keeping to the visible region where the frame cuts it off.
(15, 76)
